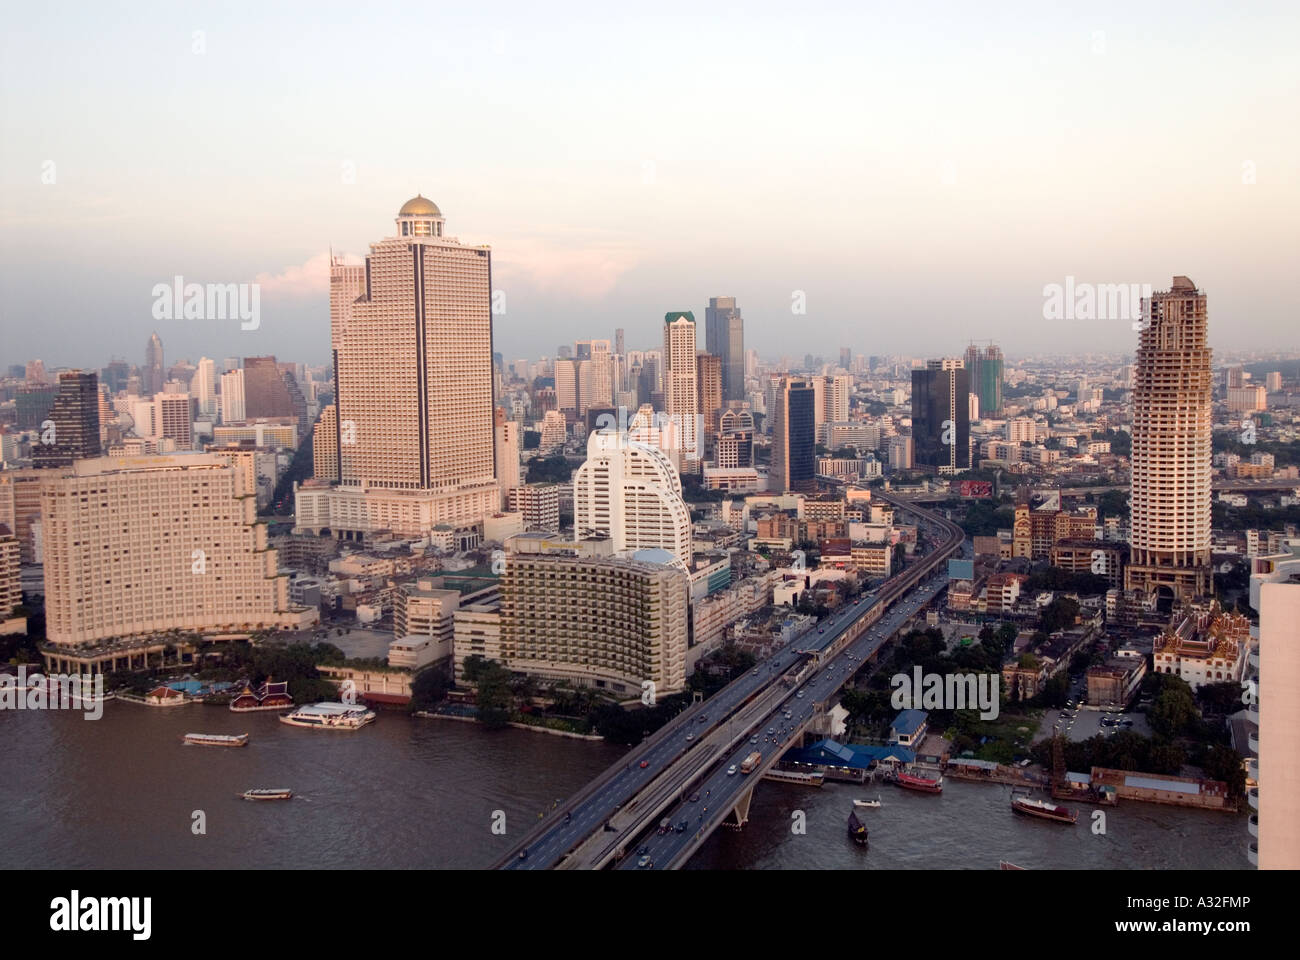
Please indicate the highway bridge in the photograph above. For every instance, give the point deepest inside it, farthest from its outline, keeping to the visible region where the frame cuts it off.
(682, 768)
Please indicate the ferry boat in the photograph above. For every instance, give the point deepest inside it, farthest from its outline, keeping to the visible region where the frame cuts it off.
(919, 784)
(268, 793)
(867, 803)
(330, 716)
(217, 739)
(1033, 807)
(857, 830)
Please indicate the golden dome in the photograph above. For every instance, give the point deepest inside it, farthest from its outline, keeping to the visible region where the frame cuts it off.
(419, 206)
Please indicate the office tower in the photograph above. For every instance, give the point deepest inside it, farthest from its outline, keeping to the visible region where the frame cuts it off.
(11, 589)
(579, 614)
(846, 357)
(266, 393)
(553, 433)
(901, 453)
(169, 543)
(1170, 527)
(32, 405)
(566, 384)
(724, 337)
(540, 505)
(839, 391)
(618, 342)
(628, 491)
(115, 376)
(172, 419)
(735, 442)
(325, 446)
(595, 374)
(818, 385)
(941, 417)
(152, 377)
(507, 454)
(681, 400)
(414, 384)
(232, 396)
(708, 388)
(1273, 381)
(204, 386)
(986, 371)
(1236, 377)
(794, 444)
(75, 416)
(35, 373)
(1275, 593)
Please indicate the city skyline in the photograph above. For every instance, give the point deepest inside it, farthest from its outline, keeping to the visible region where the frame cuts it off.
(972, 186)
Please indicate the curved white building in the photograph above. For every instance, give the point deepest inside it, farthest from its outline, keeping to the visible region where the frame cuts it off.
(628, 491)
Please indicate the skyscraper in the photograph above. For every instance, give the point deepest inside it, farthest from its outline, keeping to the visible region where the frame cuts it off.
(708, 371)
(724, 337)
(232, 396)
(412, 342)
(265, 391)
(75, 416)
(941, 417)
(681, 400)
(1170, 526)
(628, 491)
(794, 443)
(986, 372)
(507, 453)
(204, 386)
(152, 376)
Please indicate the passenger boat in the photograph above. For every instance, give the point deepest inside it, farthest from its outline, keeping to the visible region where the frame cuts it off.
(1033, 807)
(867, 803)
(857, 830)
(330, 716)
(919, 784)
(268, 793)
(217, 739)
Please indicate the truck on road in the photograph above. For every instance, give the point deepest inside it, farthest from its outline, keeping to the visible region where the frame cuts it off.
(750, 762)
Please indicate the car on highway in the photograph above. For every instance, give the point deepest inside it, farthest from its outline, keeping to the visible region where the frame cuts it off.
(644, 764)
(788, 715)
(704, 718)
(799, 694)
(754, 739)
(681, 826)
(695, 798)
(644, 863)
(731, 770)
(690, 737)
(642, 850)
(771, 731)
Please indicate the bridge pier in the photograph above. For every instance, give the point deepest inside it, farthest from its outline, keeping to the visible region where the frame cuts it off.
(739, 815)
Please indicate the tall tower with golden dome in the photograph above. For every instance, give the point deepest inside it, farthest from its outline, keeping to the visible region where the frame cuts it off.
(411, 333)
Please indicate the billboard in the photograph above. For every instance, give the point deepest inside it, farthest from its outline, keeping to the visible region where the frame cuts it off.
(961, 569)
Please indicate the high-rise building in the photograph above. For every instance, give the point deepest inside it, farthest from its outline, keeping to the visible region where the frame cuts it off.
(152, 376)
(507, 454)
(941, 417)
(204, 386)
(1273, 381)
(232, 397)
(986, 374)
(618, 342)
(173, 419)
(1170, 526)
(75, 422)
(582, 615)
(794, 444)
(681, 400)
(839, 391)
(1248, 399)
(629, 492)
(708, 372)
(167, 543)
(266, 393)
(414, 384)
(325, 446)
(540, 505)
(1275, 593)
(724, 337)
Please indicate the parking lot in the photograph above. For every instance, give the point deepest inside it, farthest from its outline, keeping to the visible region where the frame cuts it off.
(1078, 724)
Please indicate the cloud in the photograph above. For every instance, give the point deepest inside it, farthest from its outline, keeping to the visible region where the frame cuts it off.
(310, 279)
(584, 269)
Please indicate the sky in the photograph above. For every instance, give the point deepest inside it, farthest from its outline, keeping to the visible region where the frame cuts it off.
(915, 174)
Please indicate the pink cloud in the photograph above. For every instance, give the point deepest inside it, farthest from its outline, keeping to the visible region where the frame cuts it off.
(308, 279)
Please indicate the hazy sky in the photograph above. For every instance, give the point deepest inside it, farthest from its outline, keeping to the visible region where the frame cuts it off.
(919, 172)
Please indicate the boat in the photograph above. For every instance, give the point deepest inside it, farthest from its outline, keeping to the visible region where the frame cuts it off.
(920, 784)
(217, 739)
(867, 803)
(268, 793)
(1008, 865)
(1043, 809)
(857, 830)
(330, 716)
